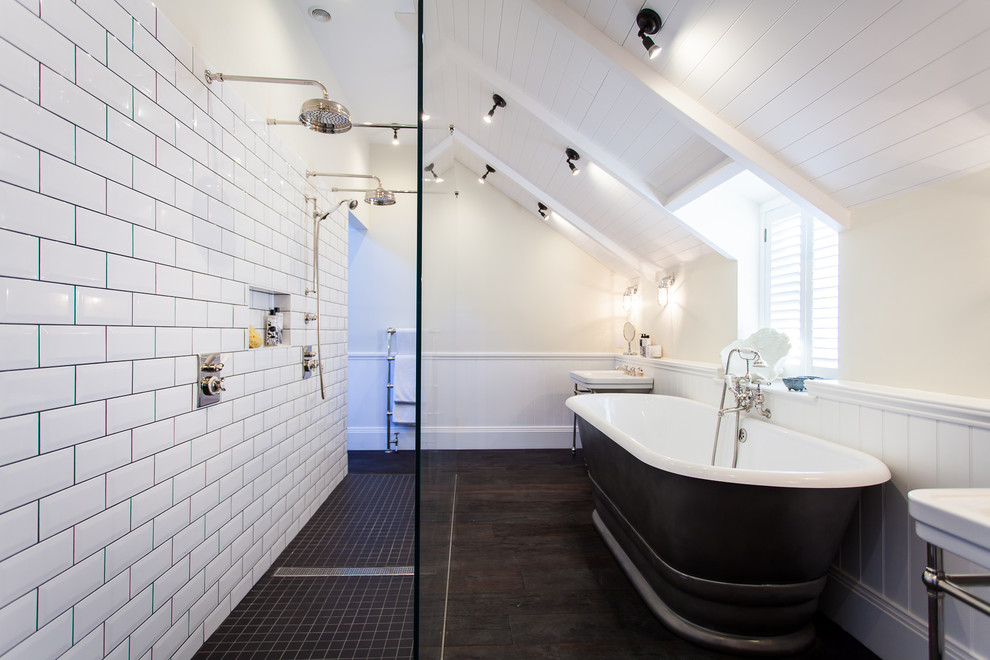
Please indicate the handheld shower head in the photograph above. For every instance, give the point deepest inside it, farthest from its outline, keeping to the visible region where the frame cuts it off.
(351, 204)
(325, 116)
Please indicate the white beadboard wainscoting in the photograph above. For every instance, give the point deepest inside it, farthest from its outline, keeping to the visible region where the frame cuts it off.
(139, 210)
(473, 400)
(928, 440)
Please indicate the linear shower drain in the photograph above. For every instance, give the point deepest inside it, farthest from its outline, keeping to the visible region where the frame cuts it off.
(343, 572)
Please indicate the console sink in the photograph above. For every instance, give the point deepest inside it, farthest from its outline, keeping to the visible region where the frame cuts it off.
(955, 519)
(604, 380)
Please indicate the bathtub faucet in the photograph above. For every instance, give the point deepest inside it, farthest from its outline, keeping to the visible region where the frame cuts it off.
(747, 391)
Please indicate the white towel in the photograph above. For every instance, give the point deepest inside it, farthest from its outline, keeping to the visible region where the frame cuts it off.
(404, 342)
(404, 379)
(404, 414)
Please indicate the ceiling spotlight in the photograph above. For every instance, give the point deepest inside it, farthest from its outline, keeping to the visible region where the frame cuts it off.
(649, 23)
(499, 103)
(425, 117)
(571, 157)
(544, 211)
(395, 136)
(429, 168)
(490, 169)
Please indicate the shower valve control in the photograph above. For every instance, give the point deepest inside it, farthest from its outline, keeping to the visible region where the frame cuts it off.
(309, 361)
(211, 379)
(212, 385)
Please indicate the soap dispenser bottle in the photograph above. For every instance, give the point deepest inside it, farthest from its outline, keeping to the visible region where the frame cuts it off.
(273, 328)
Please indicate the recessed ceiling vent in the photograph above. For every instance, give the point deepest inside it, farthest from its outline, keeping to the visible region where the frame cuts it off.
(319, 14)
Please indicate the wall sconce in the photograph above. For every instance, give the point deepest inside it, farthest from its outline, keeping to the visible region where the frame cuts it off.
(663, 291)
(490, 169)
(627, 297)
(572, 156)
(499, 103)
(649, 22)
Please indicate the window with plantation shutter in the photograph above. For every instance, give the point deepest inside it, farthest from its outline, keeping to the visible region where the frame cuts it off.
(800, 291)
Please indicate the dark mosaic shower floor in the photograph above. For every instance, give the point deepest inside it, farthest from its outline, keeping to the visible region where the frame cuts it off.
(365, 525)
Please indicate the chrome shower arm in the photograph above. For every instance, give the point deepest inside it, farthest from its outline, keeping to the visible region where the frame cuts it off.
(345, 176)
(223, 77)
(366, 124)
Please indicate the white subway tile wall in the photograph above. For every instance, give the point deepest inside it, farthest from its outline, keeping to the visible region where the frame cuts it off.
(138, 206)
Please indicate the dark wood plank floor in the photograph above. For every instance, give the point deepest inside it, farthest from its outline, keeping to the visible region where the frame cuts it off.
(529, 575)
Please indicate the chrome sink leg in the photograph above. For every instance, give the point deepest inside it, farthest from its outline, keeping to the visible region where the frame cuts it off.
(934, 573)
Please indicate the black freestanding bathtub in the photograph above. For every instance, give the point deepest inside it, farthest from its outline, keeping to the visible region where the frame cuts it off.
(730, 558)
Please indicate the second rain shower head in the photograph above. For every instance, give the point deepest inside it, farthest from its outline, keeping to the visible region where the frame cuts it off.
(379, 197)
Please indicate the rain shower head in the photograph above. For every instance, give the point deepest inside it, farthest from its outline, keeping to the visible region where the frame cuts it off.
(379, 197)
(321, 115)
(325, 116)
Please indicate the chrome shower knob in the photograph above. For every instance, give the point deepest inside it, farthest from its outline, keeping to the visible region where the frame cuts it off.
(212, 385)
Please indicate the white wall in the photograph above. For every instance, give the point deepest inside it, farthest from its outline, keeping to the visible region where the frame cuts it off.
(137, 211)
(510, 307)
(914, 299)
(700, 317)
(498, 279)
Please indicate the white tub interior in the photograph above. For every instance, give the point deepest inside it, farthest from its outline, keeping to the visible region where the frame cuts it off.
(676, 434)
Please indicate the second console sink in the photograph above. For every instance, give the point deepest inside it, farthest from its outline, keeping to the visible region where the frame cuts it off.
(602, 380)
(955, 519)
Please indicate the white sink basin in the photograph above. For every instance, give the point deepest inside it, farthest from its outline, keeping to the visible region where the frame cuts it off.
(605, 380)
(955, 519)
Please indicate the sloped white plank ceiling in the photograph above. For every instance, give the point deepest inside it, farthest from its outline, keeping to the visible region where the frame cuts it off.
(839, 102)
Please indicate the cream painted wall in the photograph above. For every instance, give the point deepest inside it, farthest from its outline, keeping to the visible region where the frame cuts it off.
(701, 316)
(915, 290)
(498, 279)
(224, 33)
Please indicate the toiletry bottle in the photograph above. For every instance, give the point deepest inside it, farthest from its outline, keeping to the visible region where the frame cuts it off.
(278, 324)
(271, 329)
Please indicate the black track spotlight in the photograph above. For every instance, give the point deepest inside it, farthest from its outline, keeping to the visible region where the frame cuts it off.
(499, 103)
(544, 211)
(490, 169)
(436, 178)
(571, 157)
(649, 23)
(395, 136)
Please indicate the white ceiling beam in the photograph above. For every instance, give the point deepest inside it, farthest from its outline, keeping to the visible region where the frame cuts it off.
(643, 268)
(705, 183)
(701, 120)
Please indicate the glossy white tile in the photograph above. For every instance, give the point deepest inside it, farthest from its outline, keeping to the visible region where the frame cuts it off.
(19, 255)
(154, 310)
(32, 479)
(98, 457)
(65, 344)
(104, 158)
(62, 97)
(20, 72)
(127, 412)
(102, 307)
(20, 527)
(36, 38)
(95, 382)
(73, 184)
(70, 264)
(19, 163)
(127, 274)
(130, 205)
(101, 232)
(77, 26)
(36, 126)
